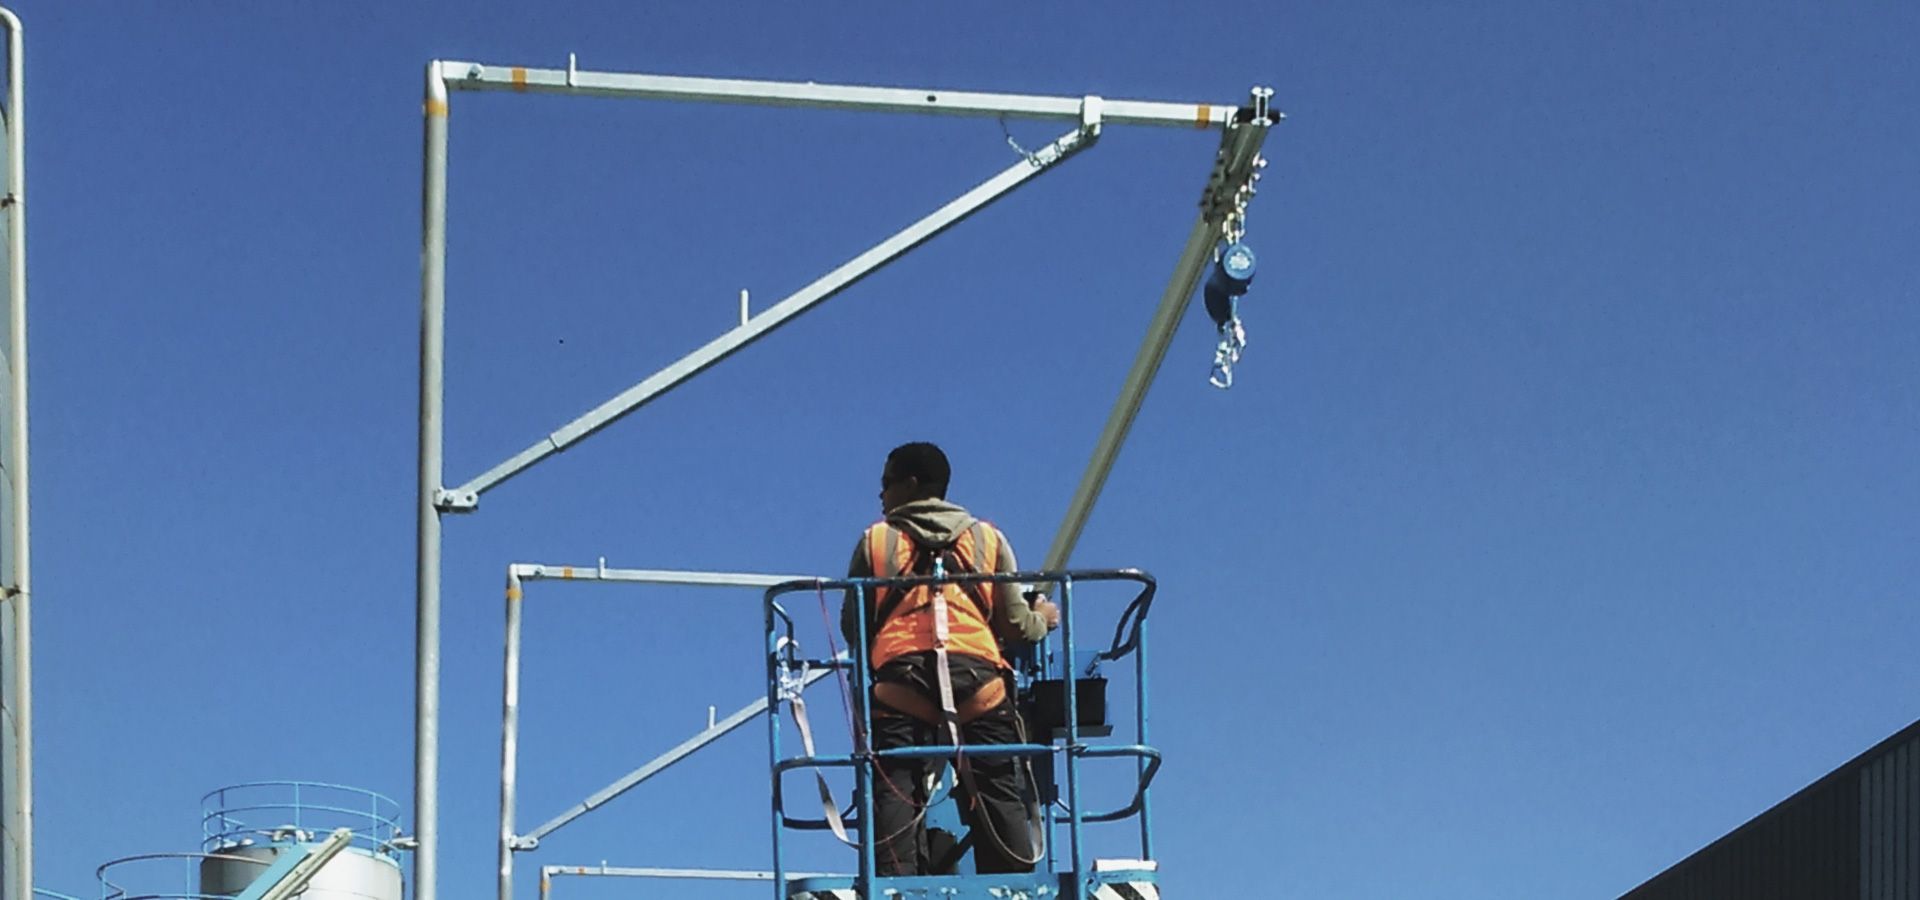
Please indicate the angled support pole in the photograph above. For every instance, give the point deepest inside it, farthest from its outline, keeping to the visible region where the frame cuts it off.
(655, 766)
(1233, 168)
(467, 496)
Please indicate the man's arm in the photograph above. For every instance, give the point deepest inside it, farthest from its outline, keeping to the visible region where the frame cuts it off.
(1014, 619)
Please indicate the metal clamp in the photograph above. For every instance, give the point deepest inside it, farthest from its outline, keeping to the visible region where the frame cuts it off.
(455, 501)
(792, 672)
(1090, 108)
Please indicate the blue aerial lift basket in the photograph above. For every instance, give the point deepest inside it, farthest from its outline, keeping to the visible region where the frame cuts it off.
(1070, 875)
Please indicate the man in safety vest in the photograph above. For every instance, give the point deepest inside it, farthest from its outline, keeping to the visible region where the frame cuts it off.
(917, 702)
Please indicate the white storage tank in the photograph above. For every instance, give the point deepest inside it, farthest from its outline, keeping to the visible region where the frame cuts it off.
(354, 874)
(248, 827)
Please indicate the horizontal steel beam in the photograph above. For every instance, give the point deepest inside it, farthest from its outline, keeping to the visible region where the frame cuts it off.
(539, 572)
(471, 76)
(655, 872)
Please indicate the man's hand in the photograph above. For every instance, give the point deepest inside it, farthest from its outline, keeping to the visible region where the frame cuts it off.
(1048, 610)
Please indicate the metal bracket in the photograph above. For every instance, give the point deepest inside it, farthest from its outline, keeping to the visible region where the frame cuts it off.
(1090, 108)
(1237, 164)
(1260, 105)
(456, 501)
(1067, 145)
(518, 843)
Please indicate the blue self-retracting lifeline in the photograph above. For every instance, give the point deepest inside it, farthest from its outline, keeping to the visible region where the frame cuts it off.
(1232, 275)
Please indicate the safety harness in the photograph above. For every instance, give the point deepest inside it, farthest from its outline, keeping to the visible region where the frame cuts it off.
(938, 562)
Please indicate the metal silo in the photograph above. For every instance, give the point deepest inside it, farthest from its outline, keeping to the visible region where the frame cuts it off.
(275, 839)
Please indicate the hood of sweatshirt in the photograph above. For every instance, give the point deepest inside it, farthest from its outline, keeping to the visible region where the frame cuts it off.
(934, 523)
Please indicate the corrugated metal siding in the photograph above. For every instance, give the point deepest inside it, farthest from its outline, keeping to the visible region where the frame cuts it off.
(1889, 803)
(1854, 833)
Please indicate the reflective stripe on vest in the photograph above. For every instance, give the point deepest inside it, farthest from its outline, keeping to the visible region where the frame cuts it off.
(909, 626)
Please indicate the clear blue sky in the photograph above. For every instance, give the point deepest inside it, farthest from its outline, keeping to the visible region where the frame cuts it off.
(1562, 520)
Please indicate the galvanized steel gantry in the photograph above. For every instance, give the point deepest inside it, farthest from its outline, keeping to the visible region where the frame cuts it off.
(1213, 239)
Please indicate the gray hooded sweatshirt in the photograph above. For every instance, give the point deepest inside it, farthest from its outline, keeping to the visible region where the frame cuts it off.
(937, 523)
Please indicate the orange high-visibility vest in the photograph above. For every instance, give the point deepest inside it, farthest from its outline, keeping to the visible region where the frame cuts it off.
(909, 626)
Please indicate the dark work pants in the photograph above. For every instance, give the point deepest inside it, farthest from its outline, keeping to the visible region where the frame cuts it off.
(994, 809)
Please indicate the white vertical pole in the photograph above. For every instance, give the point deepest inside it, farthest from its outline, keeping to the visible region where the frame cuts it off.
(433, 299)
(509, 734)
(22, 687)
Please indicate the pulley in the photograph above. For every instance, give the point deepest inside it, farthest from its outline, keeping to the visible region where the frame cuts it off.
(1232, 275)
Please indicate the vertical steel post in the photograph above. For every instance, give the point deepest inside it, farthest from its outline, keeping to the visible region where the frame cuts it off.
(22, 687)
(864, 760)
(509, 734)
(1140, 708)
(1070, 684)
(773, 748)
(1049, 663)
(433, 298)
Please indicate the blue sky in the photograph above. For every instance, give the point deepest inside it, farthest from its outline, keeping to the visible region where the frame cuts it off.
(1562, 519)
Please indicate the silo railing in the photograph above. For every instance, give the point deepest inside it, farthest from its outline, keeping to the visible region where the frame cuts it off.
(145, 876)
(299, 811)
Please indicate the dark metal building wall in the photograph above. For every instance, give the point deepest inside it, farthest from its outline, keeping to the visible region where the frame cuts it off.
(1890, 825)
(1853, 834)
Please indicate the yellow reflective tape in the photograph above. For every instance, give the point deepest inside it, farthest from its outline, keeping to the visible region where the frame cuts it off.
(1202, 115)
(566, 571)
(513, 593)
(436, 108)
(519, 79)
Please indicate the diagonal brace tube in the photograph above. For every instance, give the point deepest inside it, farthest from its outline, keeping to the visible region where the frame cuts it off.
(467, 495)
(1239, 148)
(656, 765)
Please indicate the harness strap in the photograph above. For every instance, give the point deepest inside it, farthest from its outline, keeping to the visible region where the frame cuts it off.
(980, 591)
(942, 677)
(905, 700)
(828, 808)
(981, 596)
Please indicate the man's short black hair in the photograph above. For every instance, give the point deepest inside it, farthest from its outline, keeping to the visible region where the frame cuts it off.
(925, 462)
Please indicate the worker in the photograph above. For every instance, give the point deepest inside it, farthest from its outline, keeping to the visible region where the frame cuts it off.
(905, 650)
